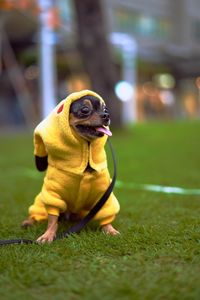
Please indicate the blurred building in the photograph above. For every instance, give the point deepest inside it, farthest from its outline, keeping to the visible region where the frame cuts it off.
(168, 37)
(167, 34)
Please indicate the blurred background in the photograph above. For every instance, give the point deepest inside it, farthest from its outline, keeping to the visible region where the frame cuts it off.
(142, 56)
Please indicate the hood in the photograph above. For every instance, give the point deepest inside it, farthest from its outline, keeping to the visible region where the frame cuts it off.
(65, 149)
(62, 111)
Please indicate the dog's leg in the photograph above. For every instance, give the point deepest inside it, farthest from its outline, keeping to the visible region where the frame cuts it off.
(109, 229)
(50, 233)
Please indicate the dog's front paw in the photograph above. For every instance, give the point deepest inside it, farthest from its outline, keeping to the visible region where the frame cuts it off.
(47, 237)
(109, 229)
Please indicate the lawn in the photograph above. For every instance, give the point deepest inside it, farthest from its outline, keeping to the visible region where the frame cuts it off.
(157, 255)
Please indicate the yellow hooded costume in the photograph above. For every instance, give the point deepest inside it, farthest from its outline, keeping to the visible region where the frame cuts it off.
(67, 186)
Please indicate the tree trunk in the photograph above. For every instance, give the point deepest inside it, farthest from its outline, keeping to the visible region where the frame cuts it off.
(96, 54)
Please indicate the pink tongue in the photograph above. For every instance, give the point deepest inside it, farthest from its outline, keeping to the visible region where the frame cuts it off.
(104, 130)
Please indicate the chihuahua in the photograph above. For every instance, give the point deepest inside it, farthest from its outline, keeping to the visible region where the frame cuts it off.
(77, 190)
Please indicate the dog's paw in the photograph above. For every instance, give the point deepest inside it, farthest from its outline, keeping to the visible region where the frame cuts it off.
(109, 229)
(27, 223)
(47, 237)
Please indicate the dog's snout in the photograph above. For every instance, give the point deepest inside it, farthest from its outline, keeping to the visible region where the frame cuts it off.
(105, 116)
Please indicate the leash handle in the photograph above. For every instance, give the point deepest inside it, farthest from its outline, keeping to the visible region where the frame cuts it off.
(80, 225)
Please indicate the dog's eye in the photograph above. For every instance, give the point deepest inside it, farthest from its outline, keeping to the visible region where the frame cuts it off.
(85, 110)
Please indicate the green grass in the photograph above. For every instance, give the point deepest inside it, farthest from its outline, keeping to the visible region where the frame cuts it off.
(157, 255)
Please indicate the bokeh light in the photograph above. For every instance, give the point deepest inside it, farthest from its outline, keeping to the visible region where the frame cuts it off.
(124, 91)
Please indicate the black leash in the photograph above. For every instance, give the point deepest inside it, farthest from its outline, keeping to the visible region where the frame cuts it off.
(80, 225)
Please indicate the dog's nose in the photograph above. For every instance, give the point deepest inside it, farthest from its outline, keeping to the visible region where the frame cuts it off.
(105, 116)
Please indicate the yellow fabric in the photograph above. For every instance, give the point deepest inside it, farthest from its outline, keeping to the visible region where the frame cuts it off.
(66, 186)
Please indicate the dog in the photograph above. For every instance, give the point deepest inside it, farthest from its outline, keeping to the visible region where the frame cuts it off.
(69, 145)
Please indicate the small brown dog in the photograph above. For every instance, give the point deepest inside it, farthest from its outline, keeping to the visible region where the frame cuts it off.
(69, 143)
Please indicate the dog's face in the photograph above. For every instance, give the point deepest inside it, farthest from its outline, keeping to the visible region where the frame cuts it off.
(88, 117)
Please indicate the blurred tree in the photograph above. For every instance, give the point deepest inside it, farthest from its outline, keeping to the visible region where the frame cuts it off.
(96, 54)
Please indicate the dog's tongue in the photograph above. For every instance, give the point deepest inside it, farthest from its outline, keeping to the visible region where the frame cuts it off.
(104, 130)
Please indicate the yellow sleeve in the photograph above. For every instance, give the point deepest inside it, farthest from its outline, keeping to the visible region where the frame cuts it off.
(52, 210)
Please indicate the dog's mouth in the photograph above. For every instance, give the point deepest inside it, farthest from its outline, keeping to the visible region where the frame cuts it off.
(94, 131)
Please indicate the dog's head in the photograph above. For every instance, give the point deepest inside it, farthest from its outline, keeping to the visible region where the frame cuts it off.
(89, 117)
